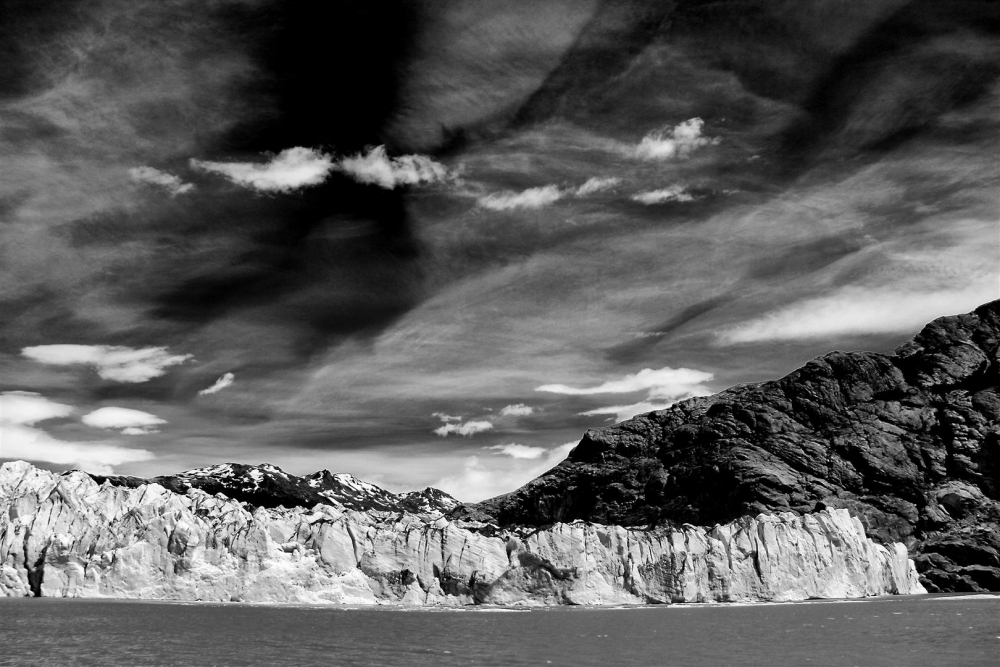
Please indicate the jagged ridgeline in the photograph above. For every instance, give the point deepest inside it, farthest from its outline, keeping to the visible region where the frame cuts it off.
(909, 443)
(814, 485)
(269, 486)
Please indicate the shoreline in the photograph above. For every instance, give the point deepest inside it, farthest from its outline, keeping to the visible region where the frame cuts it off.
(525, 608)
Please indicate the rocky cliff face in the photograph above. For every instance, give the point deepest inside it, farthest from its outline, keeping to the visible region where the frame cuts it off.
(68, 535)
(908, 442)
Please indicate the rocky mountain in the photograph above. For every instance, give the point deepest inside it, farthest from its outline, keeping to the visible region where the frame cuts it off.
(266, 485)
(909, 443)
(68, 535)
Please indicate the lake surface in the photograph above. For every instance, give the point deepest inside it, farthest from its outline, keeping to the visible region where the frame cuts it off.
(931, 630)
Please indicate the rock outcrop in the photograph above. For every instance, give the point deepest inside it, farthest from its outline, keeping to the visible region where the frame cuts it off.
(909, 443)
(68, 535)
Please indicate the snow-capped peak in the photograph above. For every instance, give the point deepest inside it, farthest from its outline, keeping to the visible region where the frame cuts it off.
(269, 486)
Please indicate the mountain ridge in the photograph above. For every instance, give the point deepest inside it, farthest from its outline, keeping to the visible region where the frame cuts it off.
(267, 485)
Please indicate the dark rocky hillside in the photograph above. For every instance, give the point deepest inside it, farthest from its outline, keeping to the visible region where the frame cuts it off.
(908, 442)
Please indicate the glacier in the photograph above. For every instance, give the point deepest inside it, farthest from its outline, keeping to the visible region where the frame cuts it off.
(65, 535)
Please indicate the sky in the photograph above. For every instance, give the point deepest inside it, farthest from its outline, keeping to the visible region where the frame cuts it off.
(434, 242)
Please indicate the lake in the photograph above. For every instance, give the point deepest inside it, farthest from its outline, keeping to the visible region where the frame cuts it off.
(931, 630)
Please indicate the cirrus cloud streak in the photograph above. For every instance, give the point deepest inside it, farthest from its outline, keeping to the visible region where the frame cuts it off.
(664, 387)
(660, 382)
(858, 310)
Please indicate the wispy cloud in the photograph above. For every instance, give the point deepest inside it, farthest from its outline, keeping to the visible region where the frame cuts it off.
(516, 451)
(532, 198)
(220, 384)
(544, 195)
(661, 382)
(128, 421)
(120, 364)
(672, 193)
(446, 418)
(21, 410)
(597, 184)
(664, 387)
(378, 168)
(859, 310)
(464, 428)
(678, 142)
(622, 412)
(516, 410)
(484, 478)
(173, 184)
(299, 167)
(291, 169)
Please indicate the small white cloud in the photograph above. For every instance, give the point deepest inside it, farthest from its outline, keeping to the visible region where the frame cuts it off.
(378, 168)
(517, 410)
(291, 169)
(220, 384)
(130, 422)
(464, 429)
(532, 198)
(672, 193)
(121, 364)
(481, 479)
(516, 451)
(172, 183)
(597, 185)
(858, 310)
(446, 418)
(681, 141)
(20, 410)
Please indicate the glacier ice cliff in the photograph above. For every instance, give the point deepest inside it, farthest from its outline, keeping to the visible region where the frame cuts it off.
(68, 535)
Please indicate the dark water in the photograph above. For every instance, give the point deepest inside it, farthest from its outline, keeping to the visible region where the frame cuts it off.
(913, 631)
